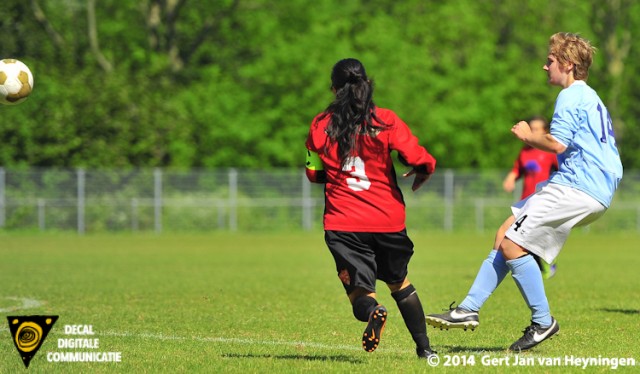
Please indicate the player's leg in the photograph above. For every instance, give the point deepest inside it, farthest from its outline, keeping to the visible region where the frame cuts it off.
(526, 273)
(410, 307)
(355, 264)
(367, 309)
(393, 253)
(548, 269)
(363, 303)
(491, 273)
(502, 230)
(542, 226)
(543, 222)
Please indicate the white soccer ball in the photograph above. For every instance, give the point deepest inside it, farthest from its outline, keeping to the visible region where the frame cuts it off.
(16, 81)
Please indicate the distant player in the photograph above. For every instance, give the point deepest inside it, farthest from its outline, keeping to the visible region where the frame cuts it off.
(532, 165)
(577, 194)
(349, 149)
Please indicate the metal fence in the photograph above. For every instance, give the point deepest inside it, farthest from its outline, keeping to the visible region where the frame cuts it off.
(248, 200)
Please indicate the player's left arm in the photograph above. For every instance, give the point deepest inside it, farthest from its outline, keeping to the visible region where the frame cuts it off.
(314, 168)
(544, 142)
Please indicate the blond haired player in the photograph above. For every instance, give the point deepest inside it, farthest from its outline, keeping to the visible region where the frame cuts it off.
(577, 194)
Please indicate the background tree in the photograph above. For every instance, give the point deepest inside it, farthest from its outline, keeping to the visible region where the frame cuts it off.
(184, 83)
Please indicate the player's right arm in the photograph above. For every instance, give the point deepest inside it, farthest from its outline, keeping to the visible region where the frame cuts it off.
(509, 182)
(544, 142)
(410, 153)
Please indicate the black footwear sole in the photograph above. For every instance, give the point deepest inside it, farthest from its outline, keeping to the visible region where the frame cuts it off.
(446, 325)
(375, 327)
(517, 349)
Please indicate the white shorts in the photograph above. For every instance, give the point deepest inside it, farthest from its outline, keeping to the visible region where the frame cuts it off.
(544, 219)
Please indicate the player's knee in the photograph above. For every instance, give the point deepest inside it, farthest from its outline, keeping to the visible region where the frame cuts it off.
(502, 230)
(511, 250)
(362, 307)
(393, 287)
(506, 224)
(402, 294)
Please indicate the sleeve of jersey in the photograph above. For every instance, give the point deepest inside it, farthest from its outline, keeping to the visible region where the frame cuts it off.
(565, 122)
(412, 153)
(314, 168)
(516, 167)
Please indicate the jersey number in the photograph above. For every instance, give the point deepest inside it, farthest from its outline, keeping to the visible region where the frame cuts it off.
(359, 181)
(606, 128)
(519, 222)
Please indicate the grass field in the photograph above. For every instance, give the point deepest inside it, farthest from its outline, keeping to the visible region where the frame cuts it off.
(180, 303)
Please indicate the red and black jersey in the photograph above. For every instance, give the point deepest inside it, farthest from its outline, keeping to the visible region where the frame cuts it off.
(364, 197)
(534, 166)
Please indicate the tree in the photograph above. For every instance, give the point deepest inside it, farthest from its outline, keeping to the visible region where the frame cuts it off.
(235, 83)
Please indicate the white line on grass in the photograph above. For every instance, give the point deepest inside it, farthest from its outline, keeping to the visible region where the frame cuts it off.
(237, 341)
(26, 303)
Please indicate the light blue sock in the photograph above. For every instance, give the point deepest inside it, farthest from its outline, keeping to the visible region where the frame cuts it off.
(526, 273)
(491, 273)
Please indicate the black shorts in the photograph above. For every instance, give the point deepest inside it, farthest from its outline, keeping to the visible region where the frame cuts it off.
(363, 257)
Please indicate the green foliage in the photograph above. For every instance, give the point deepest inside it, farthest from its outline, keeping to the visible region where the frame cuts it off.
(237, 82)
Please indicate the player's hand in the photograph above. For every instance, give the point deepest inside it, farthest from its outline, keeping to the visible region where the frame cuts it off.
(509, 185)
(522, 130)
(419, 180)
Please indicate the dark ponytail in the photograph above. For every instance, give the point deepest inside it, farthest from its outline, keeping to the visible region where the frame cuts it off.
(353, 111)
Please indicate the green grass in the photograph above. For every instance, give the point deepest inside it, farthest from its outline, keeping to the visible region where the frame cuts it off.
(180, 303)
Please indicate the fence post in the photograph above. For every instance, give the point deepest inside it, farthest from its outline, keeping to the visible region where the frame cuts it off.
(41, 214)
(2, 198)
(233, 199)
(480, 215)
(448, 199)
(134, 214)
(80, 205)
(157, 199)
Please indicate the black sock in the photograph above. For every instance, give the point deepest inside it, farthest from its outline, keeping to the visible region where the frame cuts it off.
(363, 306)
(413, 315)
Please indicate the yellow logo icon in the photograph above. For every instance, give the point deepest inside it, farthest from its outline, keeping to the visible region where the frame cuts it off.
(28, 333)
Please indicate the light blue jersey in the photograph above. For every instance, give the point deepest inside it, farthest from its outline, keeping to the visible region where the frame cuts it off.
(591, 162)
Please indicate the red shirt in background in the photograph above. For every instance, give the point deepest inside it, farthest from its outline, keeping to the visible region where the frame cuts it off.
(365, 197)
(534, 166)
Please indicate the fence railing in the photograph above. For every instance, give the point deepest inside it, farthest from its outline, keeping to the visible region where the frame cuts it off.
(243, 200)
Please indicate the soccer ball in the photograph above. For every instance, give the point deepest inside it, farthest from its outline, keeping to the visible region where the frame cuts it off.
(16, 81)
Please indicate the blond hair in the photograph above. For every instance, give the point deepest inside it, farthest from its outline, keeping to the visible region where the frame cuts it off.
(572, 48)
